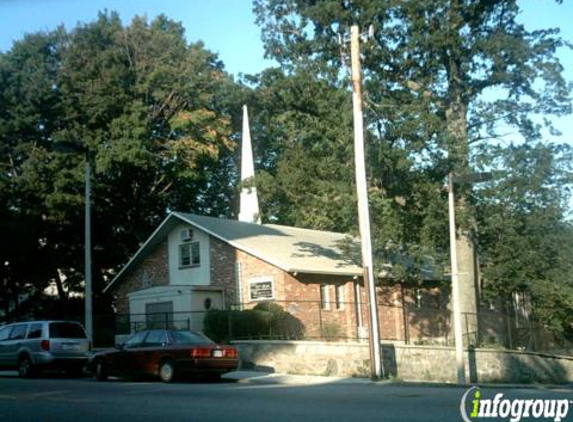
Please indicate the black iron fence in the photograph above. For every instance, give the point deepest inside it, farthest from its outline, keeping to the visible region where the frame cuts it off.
(344, 321)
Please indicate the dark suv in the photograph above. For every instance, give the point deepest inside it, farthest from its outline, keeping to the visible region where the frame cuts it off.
(36, 345)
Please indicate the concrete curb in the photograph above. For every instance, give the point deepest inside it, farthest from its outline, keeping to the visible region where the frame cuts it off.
(255, 377)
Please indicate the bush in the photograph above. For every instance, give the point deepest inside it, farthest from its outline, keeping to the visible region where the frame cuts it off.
(266, 320)
(331, 332)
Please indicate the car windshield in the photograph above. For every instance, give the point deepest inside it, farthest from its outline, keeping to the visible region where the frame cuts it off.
(188, 337)
(66, 330)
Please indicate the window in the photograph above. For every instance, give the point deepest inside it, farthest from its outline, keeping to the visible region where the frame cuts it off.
(35, 331)
(418, 298)
(324, 297)
(261, 289)
(19, 332)
(189, 255)
(155, 338)
(339, 296)
(187, 337)
(66, 330)
(5, 333)
(135, 340)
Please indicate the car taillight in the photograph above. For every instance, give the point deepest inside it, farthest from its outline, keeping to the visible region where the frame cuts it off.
(45, 345)
(201, 353)
(231, 353)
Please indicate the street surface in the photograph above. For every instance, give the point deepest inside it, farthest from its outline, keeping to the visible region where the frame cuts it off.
(84, 400)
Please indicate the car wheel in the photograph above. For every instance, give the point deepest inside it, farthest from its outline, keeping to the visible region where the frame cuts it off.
(101, 371)
(25, 368)
(167, 371)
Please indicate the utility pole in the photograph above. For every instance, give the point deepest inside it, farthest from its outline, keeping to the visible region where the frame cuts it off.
(88, 251)
(74, 148)
(363, 213)
(458, 335)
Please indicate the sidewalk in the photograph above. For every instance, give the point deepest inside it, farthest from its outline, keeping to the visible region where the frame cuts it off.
(258, 377)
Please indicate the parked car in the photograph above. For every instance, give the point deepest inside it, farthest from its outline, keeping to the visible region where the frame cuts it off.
(34, 346)
(165, 353)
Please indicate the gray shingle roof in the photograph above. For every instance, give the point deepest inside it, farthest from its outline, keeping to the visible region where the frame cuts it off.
(289, 248)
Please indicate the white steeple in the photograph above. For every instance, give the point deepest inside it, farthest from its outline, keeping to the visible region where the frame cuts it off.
(249, 206)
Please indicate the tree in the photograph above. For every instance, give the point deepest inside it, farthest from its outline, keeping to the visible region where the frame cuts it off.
(526, 244)
(429, 73)
(302, 127)
(156, 115)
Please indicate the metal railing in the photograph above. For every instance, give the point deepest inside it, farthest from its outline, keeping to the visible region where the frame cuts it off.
(345, 321)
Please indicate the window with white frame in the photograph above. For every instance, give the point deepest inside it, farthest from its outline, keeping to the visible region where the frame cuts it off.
(339, 296)
(261, 289)
(189, 255)
(324, 297)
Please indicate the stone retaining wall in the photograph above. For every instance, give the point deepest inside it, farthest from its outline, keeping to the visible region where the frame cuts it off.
(408, 363)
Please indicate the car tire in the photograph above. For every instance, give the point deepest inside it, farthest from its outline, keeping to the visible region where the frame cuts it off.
(25, 367)
(101, 371)
(167, 371)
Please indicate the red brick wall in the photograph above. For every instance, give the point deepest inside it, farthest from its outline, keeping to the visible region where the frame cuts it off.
(253, 267)
(151, 272)
(222, 258)
(299, 295)
(330, 322)
(400, 319)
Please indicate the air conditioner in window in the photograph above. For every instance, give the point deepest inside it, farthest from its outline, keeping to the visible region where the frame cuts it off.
(187, 235)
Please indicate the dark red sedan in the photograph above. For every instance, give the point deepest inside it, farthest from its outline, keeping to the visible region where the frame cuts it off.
(165, 353)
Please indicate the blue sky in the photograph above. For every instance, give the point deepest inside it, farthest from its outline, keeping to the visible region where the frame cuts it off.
(227, 27)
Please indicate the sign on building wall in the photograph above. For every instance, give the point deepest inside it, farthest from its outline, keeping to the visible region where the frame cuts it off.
(261, 289)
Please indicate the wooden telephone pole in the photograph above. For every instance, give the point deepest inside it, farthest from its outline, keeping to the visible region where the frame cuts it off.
(363, 213)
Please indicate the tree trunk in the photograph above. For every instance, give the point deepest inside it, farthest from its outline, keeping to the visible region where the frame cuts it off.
(456, 121)
(62, 295)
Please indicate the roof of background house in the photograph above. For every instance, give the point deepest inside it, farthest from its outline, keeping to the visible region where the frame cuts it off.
(288, 248)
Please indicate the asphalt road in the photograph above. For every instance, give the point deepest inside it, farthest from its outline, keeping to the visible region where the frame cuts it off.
(84, 400)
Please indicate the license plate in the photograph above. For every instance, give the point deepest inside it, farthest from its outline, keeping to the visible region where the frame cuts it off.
(217, 353)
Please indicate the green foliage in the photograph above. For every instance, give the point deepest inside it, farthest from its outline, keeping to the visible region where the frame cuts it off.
(152, 110)
(264, 321)
(429, 73)
(332, 332)
(525, 242)
(304, 142)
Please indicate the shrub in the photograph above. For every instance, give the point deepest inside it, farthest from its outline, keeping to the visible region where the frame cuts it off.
(266, 320)
(331, 332)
